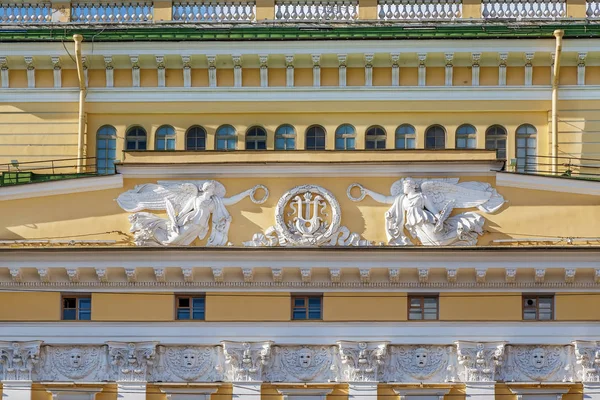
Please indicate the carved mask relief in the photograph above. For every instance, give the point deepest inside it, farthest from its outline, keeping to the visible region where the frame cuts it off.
(420, 364)
(68, 363)
(301, 364)
(190, 363)
(539, 363)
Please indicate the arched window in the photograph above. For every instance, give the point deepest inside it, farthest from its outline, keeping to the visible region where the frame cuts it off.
(135, 138)
(405, 137)
(526, 148)
(345, 137)
(226, 138)
(256, 138)
(165, 138)
(106, 150)
(285, 138)
(495, 139)
(315, 138)
(375, 138)
(195, 138)
(466, 137)
(435, 137)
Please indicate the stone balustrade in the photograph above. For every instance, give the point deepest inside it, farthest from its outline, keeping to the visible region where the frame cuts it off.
(77, 11)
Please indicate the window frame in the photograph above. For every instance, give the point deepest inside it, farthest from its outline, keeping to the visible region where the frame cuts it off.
(168, 137)
(255, 138)
(109, 167)
(537, 297)
(422, 297)
(191, 297)
(526, 137)
(306, 138)
(306, 297)
(376, 138)
(345, 136)
(286, 137)
(77, 308)
(496, 137)
(226, 137)
(405, 137)
(136, 139)
(195, 128)
(466, 137)
(435, 126)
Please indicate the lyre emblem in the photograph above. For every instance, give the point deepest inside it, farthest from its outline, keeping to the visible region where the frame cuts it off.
(312, 208)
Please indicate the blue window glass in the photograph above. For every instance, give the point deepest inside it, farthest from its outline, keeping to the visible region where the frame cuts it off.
(435, 138)
(375, 138)
(195, 138)
(405, 137)
(226, 138)
(345, 137)
(466, 137)
(165, 138)
(526, 148)
(77, 308)
(106, 150)
(307, 307)
(285, 138)
(135, 138)
(256, 138)
(191, 307)
(495, 139)
(315, 138)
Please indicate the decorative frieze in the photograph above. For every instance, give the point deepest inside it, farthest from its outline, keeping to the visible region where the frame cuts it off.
(131, 362)
(362, 361)
(244, 362)
(347, 361)
(18, 360)
(479, 362)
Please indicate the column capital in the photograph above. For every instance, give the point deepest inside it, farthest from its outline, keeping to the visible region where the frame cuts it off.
(19, 359)
(130, 361)
(478, 361)
(363, 361)
(244, 361)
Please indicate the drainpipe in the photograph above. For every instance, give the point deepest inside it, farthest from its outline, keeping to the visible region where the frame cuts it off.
(81, 126)
(558, 34)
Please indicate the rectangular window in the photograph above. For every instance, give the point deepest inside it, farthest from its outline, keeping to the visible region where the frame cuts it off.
(307, 308)
(538, 308)
(191, 307)
(76, 308)
(423, 307)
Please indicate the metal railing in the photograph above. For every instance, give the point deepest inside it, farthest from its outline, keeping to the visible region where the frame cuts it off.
(567, 166)
(17, 173)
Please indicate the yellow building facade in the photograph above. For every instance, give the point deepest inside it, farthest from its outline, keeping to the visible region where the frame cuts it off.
(300, 200)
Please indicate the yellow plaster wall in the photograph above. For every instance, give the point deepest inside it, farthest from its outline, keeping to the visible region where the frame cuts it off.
(409, 76)
(488, 76)
(515, 76)
(303, 77)
(329, 76)
(277, 77)
(382, 76)
(44, 78)
(436, 76)
(148, 78)
(69, 78)
(568, 76)
(355, 76)
(577, 306)
(123, 78)
(199, 77)
(462, 76)
(269, 391)
(133, 307)
(30, 306)
(97, 78)
(592, 75)
(225, 77)
(174, 77)
(17, 78)
(38, 392)
(480, 307)
(251, 77)
(541, 76)
(109, 392)
(255, 306)
(364, 306)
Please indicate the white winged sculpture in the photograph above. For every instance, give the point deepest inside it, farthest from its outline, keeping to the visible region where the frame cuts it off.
(189, 206)
(423, 207)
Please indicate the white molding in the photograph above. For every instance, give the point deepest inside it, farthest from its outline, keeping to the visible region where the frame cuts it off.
(300, 94)
(232, 170)
(319, 333)
(553, 184)
(75, 185)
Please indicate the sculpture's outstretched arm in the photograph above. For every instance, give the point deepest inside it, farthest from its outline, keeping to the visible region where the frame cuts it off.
(228, 201)
(380, 198)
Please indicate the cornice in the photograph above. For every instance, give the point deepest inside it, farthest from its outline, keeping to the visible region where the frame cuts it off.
(548, 183)
(66, 186)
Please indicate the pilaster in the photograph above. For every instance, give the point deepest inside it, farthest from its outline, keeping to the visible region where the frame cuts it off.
(342, 70)
(316, 60)
(395, 69)
(4, 72)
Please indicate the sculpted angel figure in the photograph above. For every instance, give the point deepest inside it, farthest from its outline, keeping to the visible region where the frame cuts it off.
(191, 207)
(423, 208)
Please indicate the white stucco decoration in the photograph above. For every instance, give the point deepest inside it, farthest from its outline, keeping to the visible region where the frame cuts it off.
(309, 223)
(303, 364)
(428, 363)
(73, 363)
(423, 207)
(531, 363)
(189, 206)
(188, 364)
